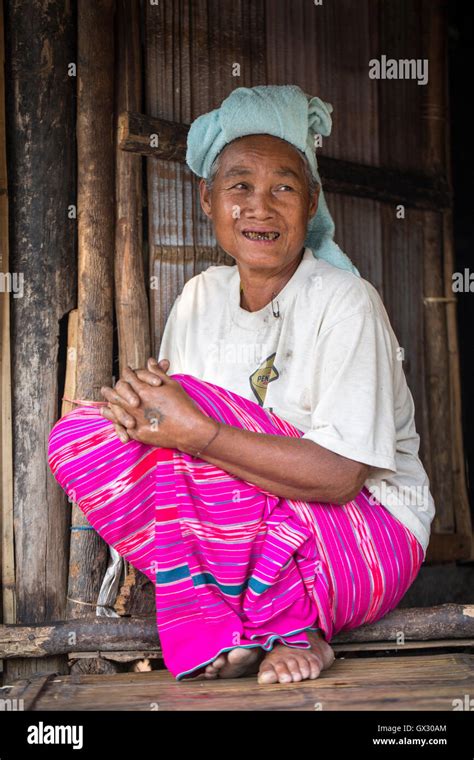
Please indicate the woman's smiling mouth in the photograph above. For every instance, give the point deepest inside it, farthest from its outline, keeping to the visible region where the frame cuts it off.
(261, 236)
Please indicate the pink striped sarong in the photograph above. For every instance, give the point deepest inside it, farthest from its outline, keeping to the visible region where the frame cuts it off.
(232, 565)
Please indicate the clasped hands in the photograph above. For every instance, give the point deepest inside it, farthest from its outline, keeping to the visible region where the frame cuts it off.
(148, 406)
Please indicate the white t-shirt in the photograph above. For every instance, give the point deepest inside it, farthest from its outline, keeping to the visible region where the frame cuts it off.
(330, 364)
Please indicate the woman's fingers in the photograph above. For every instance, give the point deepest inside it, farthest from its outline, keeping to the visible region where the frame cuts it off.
(126, 389)
(148, 377)
(117, 415)
(122, 433)
(133, 377)
(158, 368)
(125, 393)
(163, 364)
(119, 429)
(122, 392)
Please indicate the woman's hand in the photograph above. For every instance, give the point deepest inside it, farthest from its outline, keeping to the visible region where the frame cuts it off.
(123, 421)
(155, 409)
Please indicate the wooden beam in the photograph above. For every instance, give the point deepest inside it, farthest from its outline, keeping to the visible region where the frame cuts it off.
(450, 621)
(147, 136)
(82, 634)
(445, 621)
(448, 547)
(358, 646)
(384, 185)
(166, 140)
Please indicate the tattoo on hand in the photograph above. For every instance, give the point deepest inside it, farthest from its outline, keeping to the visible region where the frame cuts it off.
(154, 415)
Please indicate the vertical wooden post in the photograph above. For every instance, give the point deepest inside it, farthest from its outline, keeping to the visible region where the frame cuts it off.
(95, 200)
(40, 126)
(7, 569)
(440, 316)
(131, 297)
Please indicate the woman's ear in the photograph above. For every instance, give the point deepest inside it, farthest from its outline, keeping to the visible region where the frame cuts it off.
(205, 197)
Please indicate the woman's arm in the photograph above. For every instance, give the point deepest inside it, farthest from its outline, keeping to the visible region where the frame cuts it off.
(291, 468)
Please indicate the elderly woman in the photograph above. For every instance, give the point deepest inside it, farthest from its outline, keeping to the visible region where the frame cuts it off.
(262, 473)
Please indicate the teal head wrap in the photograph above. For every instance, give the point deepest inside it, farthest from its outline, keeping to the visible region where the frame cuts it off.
(284, 111)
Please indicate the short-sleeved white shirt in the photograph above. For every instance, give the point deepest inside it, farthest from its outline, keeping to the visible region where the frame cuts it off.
(330, 364)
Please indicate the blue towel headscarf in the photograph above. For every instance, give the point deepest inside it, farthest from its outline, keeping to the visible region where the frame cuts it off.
(284, 111)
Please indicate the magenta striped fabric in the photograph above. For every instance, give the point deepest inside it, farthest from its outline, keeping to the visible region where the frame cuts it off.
(232, 565)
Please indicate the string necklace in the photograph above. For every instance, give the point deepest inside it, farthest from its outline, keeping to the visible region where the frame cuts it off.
(276, 313)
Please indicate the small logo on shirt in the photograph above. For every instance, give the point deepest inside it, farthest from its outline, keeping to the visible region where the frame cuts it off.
(265, 374)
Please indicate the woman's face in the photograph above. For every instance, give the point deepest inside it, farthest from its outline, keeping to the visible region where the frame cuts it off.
(259, 203)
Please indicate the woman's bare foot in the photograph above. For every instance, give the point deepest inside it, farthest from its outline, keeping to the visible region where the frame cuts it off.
(235, 663)
(283, 664)
(287, 664)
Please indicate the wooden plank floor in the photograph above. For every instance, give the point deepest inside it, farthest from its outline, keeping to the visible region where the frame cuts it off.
(415, 682)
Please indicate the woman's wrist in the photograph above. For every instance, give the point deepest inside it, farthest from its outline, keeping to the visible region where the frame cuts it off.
(201, 437)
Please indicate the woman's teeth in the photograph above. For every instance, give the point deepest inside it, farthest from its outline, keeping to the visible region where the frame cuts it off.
(261, 235)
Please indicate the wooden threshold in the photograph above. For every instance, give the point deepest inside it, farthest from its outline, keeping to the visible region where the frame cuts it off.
(434, 682)
(373, 646)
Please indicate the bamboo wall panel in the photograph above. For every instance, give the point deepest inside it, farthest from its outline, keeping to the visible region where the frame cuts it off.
(402, 248)
(439, 391)
(436, 156)
(402, 129)
(389, 253)
(464, 518)
(191, 52)
(325, 50)
(359, 234)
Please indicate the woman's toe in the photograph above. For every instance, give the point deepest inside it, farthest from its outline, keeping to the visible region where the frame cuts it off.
(283, 674)
(293, 667)
(267, 674)
(304, 668)
(239, 655)
(315, 667)
(212, 670)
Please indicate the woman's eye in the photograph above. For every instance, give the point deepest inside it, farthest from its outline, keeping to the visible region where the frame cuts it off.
(244, 186)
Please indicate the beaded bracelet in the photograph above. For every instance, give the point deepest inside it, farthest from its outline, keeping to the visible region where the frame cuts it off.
(198, 453)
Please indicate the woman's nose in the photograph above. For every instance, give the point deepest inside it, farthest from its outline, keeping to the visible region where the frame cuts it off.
(260, 204)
